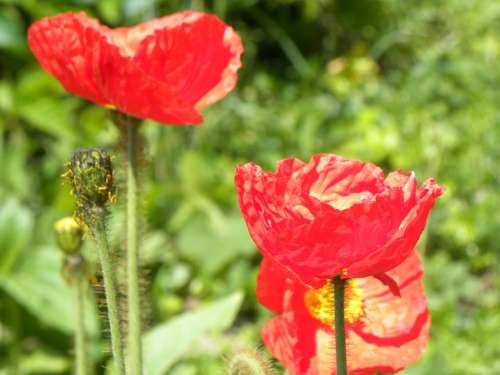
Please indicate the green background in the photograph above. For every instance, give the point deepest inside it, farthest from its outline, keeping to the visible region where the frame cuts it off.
(404, 84)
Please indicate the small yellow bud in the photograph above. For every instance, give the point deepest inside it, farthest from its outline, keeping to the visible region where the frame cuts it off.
(69, 235)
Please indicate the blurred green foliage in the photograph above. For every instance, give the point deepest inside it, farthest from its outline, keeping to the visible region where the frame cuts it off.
(405, 84)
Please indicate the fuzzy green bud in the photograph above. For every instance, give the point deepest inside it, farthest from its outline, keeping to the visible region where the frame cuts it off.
(90, 173)
(249, 362)
(69, 235)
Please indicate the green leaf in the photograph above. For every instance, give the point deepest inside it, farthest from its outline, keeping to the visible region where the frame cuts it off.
(42, 362)
(12, 36)
(166, 343)
(212, 246)
(16, 227)
(39, 287)
(109, 10)
(16, 179)
(50, 115)
(6, 96)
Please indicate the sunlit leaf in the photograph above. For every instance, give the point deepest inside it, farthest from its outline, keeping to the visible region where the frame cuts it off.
(38, 285)
(166, 343)
(16, 226)
(213, 246)
(12, 36)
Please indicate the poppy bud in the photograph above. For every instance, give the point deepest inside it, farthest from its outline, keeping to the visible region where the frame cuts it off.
(68, 235)
(91, 175)
(249, 361)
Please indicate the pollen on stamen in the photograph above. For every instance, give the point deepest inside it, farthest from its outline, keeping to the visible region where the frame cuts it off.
(321, 302)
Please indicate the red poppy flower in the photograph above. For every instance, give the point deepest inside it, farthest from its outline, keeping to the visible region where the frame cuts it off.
(386, 329)
(166, 69)
(333, 216)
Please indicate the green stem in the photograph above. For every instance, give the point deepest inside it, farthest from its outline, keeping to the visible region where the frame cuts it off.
(340, 352)
(14, 323)
(100, 235)
(80, 337)
(134, 312)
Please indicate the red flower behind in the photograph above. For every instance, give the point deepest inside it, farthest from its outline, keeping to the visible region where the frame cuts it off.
(166, 69)
(333, 216)
(385, 332)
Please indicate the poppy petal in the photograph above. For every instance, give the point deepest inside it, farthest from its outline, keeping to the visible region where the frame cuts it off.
(364, 358)
(333, 216)
(389, 282)
(98, 63)
(391, 334)
(391, 319)
(404, 239)
(271, 285)
(74, 49)
(197, 58)
(80, 53)
(291, 336)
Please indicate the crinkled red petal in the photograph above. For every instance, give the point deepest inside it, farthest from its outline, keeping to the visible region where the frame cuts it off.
(272, 284)
(291, 336)
(389, 282)
(367, 358)
(80, 53)
(392, 334)
(198, 57)
(184, 62)
(392, 319)
(293, 215)
(402, 241)
(73, 48)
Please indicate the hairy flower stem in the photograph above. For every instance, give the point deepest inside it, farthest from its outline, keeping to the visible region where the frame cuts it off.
(99, 233)
(134, 313)
(80, 336)
(340, 352)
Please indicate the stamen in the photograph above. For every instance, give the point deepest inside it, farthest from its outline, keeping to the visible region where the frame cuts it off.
(320, 302)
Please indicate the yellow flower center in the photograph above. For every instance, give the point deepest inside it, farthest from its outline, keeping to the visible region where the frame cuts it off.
(321, 302)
